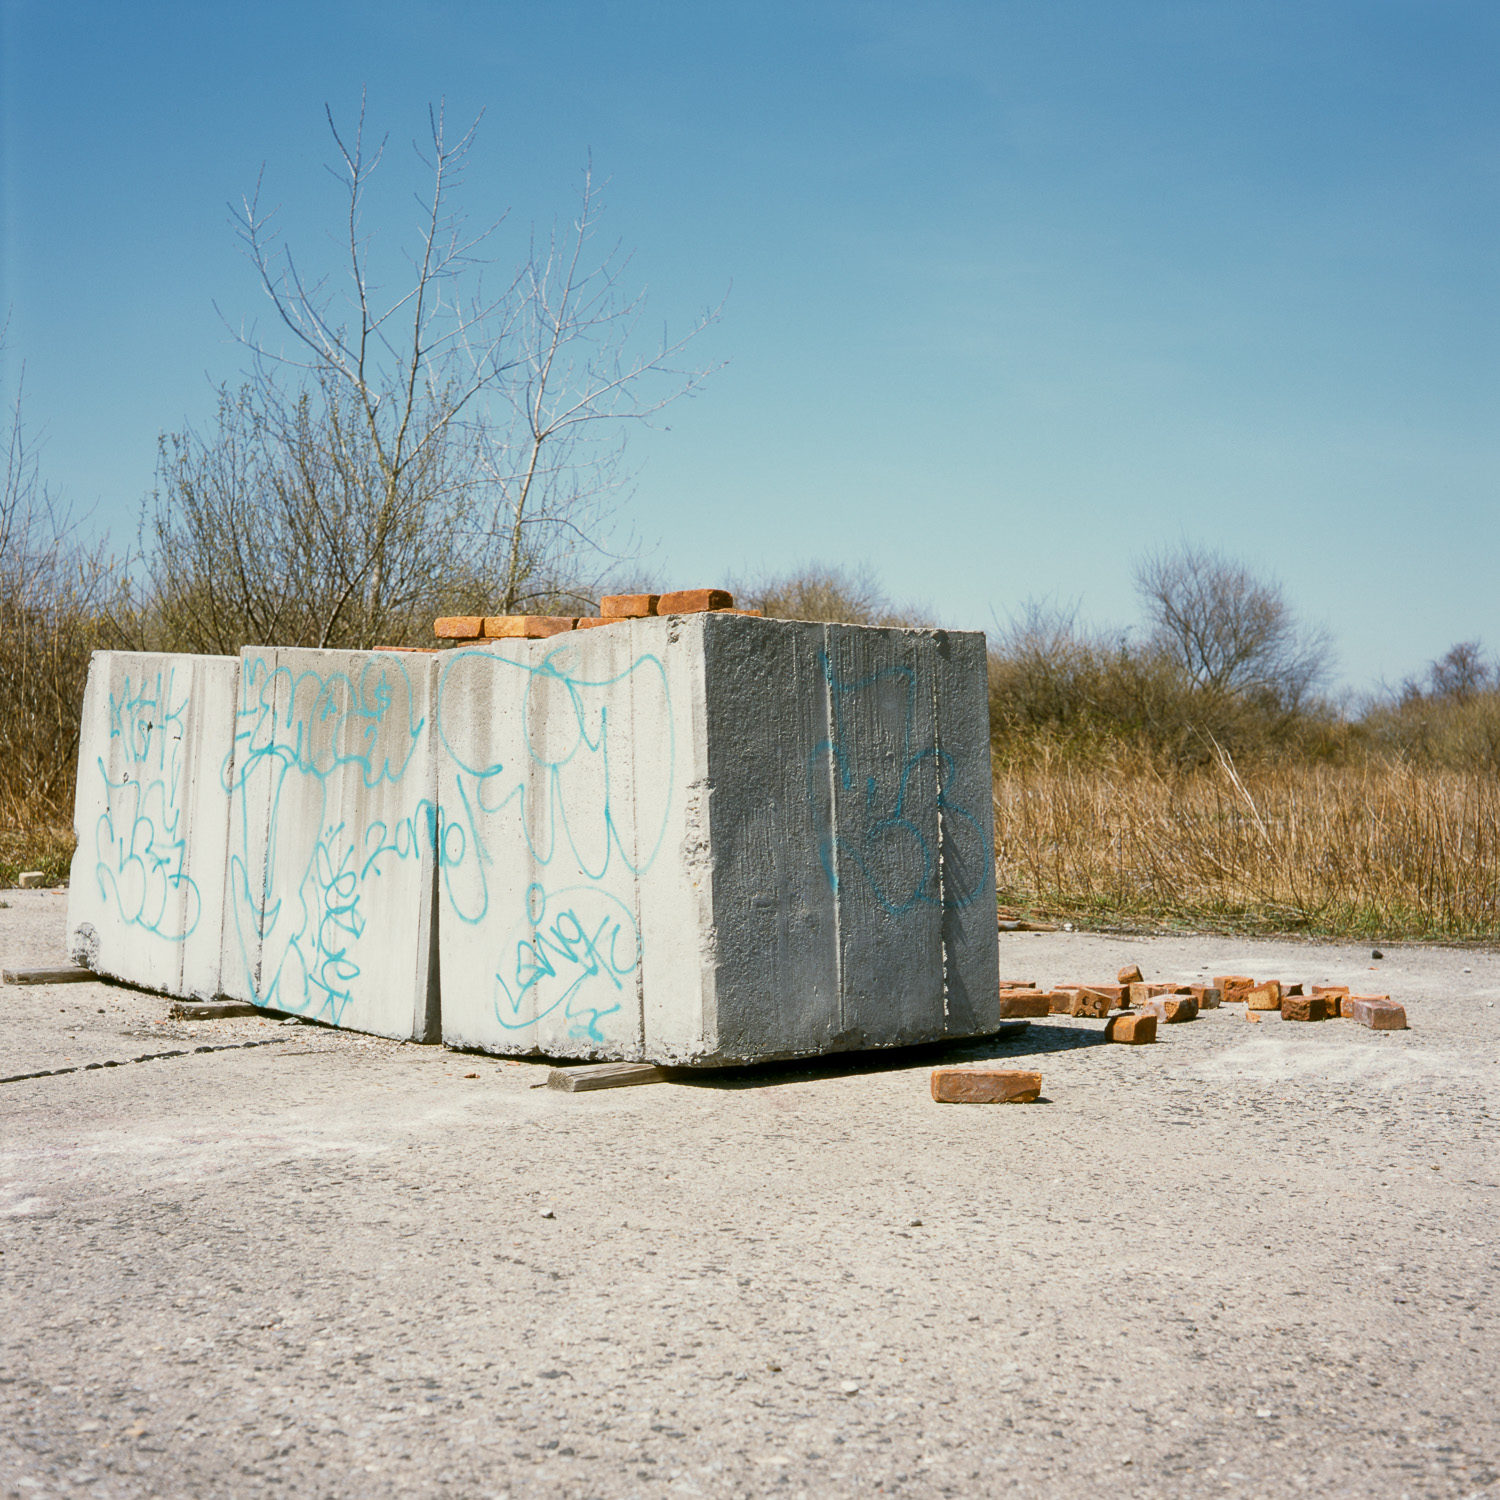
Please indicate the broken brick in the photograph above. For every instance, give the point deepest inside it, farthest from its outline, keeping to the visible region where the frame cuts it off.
(627, 606)
(1024, 984)
(1090, 1002)
(526, 627)
(1304, 1008)
(1265, 997)
(1134, 1030)
(1171, 1008)
(985, 1085)
(1024, 1003)
(1378, 1012)
(1208, 996)
(694, 601)
(1116, 994)
(593, 622)
(1130, 974)
(1234, 987)
(459, 628)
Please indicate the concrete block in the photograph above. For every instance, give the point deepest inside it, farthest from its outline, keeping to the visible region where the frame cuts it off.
(31, 880)
(146, 894)
(328, 885)
(980, 1084)
(706, 838)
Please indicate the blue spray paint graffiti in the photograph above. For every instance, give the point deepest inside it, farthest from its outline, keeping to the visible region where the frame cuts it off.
(563, 803)
(892, 806)
(301, 877)
(140, 843)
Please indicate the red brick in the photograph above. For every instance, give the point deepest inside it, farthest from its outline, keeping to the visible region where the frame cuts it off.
(1378, 1012)
(1265, 996)
(694, 601)
(1304, 1008)
(1133, 1030)
(1090, 1002)
(1114, 993)
(593, 622)
(1130, 974)
(754, 614)
(985, 1085)
(459, 628)
(628, 606)
(1024, 1003)
(1233, 987)
(1334, 995)
(1208, 996)
(1023, 984)
(1171, 1008)
(526, 627)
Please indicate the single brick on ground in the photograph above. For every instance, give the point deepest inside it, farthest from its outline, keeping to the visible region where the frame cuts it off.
(1025, 1003)
(1378, 1012)
(1134, 1030)
(985, 1085)
(1169, 1009)
(1304, 1008)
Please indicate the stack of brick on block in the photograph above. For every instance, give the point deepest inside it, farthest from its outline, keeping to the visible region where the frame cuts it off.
(612, 609)
(1132, 1007)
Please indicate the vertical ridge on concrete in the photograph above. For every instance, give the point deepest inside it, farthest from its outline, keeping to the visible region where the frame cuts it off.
(831, 863)
(970, 941)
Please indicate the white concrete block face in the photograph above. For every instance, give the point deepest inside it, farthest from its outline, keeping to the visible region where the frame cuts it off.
(145, 900)
(330, 871)
(852, 858)
(562, 768)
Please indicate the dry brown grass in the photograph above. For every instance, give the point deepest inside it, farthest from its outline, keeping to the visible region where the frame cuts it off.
(1383, 850)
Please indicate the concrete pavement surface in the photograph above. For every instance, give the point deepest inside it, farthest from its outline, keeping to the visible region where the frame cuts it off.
(1247, 1260)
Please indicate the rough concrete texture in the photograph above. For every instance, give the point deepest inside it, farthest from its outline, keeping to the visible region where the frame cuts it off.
(710, 838)
(330, 872)
(146, 900)
(1222, 1264)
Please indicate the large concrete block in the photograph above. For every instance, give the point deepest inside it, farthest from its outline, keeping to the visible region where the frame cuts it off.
(146, 898)
(329, 877)
(710, 838)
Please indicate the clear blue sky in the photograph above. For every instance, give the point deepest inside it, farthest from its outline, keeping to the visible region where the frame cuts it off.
(1018, 289)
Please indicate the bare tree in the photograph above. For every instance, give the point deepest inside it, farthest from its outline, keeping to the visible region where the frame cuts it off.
(1230, 630)
(1461, 672)
(453, 441)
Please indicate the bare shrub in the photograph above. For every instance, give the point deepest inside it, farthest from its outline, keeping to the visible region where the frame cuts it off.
(59, 593)
(820, 591)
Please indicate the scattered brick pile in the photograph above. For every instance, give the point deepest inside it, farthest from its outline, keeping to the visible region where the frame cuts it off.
(1169, 1003)
(612, 609)
(1133, 1007)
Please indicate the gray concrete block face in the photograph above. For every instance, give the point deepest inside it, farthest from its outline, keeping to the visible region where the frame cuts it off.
(573, 850)
(145, 898)
(328, 884)
(853, 866)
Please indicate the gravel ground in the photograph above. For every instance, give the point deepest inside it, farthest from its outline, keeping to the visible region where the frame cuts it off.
(1244, 1261)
